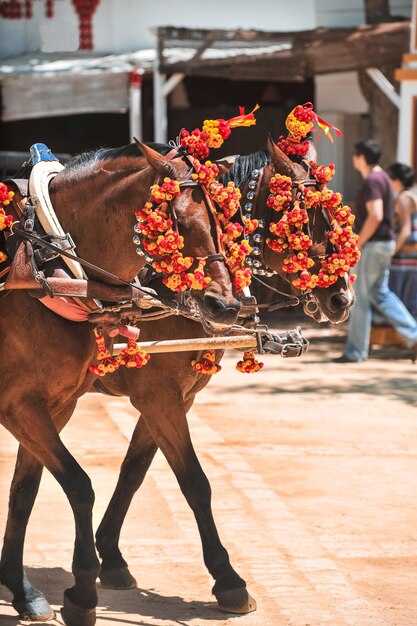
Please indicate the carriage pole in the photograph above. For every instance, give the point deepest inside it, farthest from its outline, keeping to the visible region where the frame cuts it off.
(192, 345)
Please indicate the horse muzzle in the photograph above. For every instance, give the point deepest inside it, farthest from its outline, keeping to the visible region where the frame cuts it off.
(218, 312)
(331, 304)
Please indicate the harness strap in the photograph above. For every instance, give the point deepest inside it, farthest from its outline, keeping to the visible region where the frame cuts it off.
(219, 233)
(98, 270)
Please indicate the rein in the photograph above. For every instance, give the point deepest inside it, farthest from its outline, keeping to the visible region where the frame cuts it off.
(59, 251)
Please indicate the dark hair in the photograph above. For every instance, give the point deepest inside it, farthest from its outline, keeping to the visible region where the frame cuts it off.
(403, 173)
(370, 149)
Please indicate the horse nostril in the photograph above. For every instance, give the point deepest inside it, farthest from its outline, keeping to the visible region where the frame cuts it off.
(213, 303)
(339, 301)
(221, 310)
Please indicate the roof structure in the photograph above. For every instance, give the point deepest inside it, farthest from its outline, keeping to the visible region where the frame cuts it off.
(286, 56)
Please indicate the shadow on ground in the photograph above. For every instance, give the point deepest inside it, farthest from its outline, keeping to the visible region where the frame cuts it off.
(119, 604)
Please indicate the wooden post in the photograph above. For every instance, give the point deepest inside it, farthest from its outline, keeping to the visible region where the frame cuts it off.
(135, 103)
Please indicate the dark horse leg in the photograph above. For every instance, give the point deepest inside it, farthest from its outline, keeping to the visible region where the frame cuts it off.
(114, 572)
(29, 602)
(168, 430)
(48, 450)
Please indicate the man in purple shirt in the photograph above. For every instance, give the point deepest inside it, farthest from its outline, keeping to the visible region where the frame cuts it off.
(374, 210)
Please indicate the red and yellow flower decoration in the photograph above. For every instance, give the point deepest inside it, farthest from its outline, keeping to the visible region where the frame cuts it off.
(161, 241)
(249, 365)
(131, 356)
(288, 234)
(199, 142)
(207, 364)
(299, 123)
(159, 238)
(164, 244)
(5, 220)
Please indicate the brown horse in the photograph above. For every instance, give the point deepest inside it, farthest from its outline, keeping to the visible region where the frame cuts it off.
(48, 357)
(163, 421)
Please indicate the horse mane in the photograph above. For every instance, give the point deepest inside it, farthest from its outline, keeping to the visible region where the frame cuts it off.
(244, 165)
(240, 171)
(103, 154)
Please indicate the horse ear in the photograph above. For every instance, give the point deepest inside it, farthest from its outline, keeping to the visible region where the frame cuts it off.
(226, 163)
(160, 163)
(282, 163)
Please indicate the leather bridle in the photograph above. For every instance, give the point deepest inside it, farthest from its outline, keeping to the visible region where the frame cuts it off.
(214, 221)
(256, 258)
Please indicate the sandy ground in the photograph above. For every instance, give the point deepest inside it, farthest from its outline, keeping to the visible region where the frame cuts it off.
(313, 469)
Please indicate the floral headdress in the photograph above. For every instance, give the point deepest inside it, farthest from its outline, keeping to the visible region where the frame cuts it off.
(213, 133)
(289, 236)
(299, 123)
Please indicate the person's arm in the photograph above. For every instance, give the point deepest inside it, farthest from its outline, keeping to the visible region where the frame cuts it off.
(404, 209)
(375, 209)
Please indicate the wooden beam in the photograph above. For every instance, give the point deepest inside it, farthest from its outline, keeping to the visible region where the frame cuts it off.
(320, 51)
(193, 345)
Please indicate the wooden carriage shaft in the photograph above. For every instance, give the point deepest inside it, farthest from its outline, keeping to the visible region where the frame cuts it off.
(191, 345)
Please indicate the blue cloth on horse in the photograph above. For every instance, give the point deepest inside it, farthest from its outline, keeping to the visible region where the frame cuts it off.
(40, 152)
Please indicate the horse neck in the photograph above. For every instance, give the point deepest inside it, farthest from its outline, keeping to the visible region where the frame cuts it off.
(98, 209)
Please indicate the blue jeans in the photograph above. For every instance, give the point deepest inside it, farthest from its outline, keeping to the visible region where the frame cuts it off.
(371, 289)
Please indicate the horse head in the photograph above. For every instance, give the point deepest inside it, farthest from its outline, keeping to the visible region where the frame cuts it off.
(195, 220)
(331, 303)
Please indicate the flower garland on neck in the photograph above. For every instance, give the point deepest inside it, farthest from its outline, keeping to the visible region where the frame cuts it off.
(161, 241)
(288, 230)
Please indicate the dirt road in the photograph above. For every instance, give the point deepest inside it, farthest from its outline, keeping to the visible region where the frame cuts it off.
(313, 468)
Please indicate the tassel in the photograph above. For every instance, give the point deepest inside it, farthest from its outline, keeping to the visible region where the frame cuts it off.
(243, 119)
(133, 355)
(105, 361)
(207, 364)
(325, 127)
(249, 365)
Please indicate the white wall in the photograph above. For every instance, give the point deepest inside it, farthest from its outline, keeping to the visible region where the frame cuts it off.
(59, 33)
(339, 92)
(123, 25)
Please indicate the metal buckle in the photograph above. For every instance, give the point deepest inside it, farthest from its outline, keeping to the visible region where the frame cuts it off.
(291, 350)
(65, 242)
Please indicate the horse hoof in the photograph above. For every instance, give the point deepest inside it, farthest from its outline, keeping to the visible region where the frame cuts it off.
(118, 578)
(236, 601)
(35, 610)
(74, 615)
